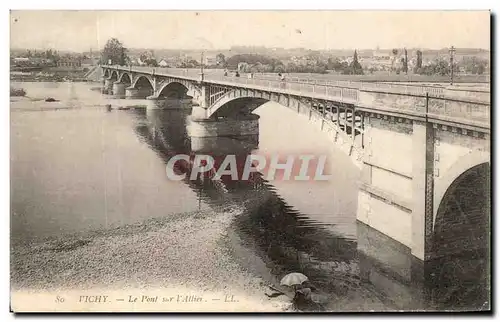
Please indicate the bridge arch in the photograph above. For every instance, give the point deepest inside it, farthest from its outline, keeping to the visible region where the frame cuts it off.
(462, 221)
(243, 102)
(230, 107)
(173, 90)
(233, 102)
(114, 75)
(106, 73)
(142, 81)
(125, 78)
(459, 255)
(144, 85)
(461, 166)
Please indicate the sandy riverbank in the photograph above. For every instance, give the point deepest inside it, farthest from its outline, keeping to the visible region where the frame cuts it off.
(182, 261)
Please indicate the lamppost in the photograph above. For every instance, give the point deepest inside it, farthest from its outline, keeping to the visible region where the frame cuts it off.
(201, 67)
(452, 52)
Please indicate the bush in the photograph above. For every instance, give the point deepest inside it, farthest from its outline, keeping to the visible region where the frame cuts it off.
(17, 92)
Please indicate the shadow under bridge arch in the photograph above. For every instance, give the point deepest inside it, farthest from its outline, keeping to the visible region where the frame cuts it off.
(173, 90)
(125, 79)
(234, 107)
(460, 261)
(144, 86)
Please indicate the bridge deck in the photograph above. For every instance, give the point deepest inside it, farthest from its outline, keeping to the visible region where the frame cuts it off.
(467, 106)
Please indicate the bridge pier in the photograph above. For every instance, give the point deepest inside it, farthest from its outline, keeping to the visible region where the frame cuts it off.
(392, 270)
(154, 103)
(108, 86)
(119, 89)
(178, 103)
(394, 204)
(422, 189)
(223, 127)
(393, 190)
(131, 92)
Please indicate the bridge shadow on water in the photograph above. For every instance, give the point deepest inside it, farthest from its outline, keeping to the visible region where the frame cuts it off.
(284, 240)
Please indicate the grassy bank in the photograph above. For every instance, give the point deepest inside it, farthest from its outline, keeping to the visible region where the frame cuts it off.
(50, 75)
(179, 252)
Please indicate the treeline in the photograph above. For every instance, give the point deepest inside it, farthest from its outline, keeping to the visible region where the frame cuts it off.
(45, 57)
(470, 65)
(252, 59)
(265, 64)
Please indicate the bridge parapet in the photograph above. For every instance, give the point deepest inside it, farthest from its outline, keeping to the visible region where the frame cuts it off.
(428, 101)
(460, 110)
(404, 103)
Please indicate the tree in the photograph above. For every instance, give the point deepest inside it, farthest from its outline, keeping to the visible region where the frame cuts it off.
(355, 67)
(151, 62)
(419, 60)
(394, 57)
(474, 65)
(405, 63)
(437, 67)
(480, 69)
(251, 59)
(114, 52)
(337, 65)
(279, 69)
(220, 60)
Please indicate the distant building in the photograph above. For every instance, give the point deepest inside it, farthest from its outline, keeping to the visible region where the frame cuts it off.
(173, 61)
(21, 60)
(163, 63)
(69, 62)
(140, 62)
(242, 67)
(90, 62)
(379, 55)
(208, 60)
(134, 61)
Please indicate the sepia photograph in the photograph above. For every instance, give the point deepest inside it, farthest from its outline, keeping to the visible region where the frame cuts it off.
(250, 161)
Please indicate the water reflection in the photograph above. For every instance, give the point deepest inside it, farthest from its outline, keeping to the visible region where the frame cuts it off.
(285, 239)
(345, 273)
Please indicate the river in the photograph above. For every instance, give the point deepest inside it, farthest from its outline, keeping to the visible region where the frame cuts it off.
(76, 167)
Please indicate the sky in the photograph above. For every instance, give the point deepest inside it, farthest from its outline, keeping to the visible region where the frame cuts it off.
(319, 30)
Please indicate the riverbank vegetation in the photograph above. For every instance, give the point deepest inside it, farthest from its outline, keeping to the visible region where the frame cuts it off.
(17, 91)
(50, 75)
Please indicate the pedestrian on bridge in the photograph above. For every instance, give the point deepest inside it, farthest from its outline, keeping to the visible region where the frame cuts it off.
(282, 78)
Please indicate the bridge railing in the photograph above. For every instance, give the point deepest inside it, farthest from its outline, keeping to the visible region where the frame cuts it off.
(295, 88)
(465, 104)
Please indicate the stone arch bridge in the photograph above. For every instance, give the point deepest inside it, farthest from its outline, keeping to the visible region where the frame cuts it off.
(424, 151)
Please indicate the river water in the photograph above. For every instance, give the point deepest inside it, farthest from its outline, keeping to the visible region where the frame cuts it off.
(77, 167)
